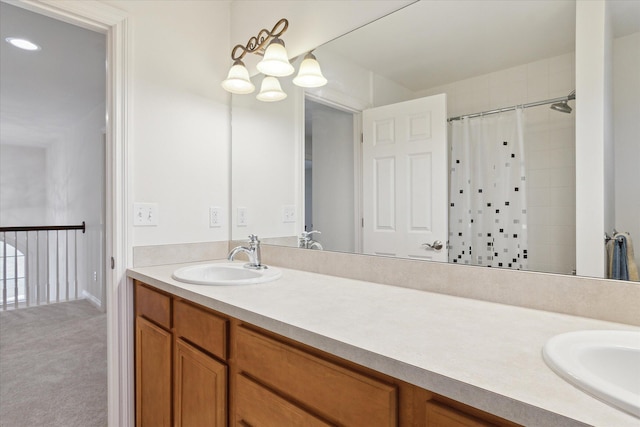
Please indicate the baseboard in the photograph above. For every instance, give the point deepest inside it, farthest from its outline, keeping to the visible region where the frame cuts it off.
(92, 299)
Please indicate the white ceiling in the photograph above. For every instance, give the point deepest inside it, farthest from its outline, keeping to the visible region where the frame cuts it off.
(43, 93)
(434, 42)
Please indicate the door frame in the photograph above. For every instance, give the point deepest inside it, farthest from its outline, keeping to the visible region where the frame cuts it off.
(114, 23)
(356, 111)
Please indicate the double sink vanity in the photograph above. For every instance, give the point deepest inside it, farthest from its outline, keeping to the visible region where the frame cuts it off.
(221, 344)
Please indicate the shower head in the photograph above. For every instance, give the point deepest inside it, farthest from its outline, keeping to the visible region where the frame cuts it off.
(562, 106)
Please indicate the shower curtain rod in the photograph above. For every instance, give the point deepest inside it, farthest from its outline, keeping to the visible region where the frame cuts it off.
(502, 110)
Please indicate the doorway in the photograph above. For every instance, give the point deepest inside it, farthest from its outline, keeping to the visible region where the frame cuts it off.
(70, 140)
(331, 190)
(53, 156)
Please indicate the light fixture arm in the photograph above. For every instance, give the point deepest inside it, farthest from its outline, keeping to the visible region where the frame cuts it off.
(257, 44)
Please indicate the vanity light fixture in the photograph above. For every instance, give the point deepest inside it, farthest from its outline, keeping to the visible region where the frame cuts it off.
(22, 43)
(275, 63)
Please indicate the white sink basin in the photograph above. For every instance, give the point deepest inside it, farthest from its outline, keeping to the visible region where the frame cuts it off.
(605, 364)
(225, 274)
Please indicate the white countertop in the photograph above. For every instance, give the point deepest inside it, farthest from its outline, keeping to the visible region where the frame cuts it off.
(484, 354)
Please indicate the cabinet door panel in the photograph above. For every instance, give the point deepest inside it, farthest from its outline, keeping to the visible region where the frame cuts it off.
(335, 393)
(200, 388)
(153, 375)
(201, 328)
(256, 406)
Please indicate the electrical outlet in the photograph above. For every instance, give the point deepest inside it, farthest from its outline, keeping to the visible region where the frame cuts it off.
(241, 217)
(145, 214)
(289, 213)
(215, 216)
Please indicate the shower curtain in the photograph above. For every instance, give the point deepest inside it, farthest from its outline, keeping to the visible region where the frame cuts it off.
(488, 212)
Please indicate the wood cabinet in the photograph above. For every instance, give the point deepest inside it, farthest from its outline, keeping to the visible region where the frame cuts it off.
(153, 374)
(331, 391)
(200, 395)
(181, 371)
(197, 367)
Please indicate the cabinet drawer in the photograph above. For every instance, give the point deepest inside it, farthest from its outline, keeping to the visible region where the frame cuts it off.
(153, 305)
(332, 391)
(256, 406)
(442, 416)
(200, 327)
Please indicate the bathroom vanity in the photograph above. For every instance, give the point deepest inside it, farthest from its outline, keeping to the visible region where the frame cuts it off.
(310, 349)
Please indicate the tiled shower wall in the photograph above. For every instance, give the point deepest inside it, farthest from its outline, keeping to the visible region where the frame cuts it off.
(549, 149)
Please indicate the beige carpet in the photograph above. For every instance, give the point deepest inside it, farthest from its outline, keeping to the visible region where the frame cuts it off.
(53, 366)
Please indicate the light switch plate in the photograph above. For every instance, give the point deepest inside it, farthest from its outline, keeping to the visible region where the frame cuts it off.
(289, 213)
(145, 214)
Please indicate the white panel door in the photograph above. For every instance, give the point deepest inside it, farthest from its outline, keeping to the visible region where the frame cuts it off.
(405, 179)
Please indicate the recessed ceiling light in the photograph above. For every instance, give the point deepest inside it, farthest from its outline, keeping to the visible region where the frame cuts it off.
(22, 43)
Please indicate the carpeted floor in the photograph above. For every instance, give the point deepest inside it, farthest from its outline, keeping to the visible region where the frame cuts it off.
(53, 366)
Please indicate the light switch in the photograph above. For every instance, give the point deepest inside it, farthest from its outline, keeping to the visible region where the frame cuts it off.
(289, 213)
(145, 214)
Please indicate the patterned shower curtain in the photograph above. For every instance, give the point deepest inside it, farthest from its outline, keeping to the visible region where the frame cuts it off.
(488, 212)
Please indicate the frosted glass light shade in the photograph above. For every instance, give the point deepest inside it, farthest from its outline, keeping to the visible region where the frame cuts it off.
(310, 74)
(275, 61)
(237, 80)
(270, 91)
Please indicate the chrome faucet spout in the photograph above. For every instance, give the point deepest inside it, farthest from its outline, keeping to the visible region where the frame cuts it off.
(253, 253)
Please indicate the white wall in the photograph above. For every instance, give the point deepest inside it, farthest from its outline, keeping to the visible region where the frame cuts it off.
(549, 149)
(180, 116)
(265, 154)
(85, 157)
(626, 86)
(23, 185)
(591, 133)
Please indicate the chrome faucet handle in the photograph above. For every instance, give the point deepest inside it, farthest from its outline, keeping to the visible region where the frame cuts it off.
(253, 238)
(309, 233)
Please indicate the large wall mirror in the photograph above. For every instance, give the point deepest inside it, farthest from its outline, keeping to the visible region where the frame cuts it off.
(299, 164)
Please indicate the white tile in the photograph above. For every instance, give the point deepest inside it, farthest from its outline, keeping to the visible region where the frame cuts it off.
(538, 197)
(538, 69)
(561, 63)
(517, 74)
(538, 88)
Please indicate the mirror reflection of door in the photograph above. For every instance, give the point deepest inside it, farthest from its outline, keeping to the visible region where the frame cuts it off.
(330, 186)
(405, 179)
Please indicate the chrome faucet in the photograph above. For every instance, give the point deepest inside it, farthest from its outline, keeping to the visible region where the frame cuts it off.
(305, 241)
(253, 252)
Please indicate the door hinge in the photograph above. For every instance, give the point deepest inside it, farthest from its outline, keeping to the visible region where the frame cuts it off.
(361, 138)
(362, 222)
(113, 263)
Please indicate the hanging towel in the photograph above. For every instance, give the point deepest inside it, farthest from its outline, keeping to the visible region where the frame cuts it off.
(622, 264)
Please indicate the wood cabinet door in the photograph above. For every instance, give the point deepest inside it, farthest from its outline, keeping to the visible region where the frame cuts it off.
(200, 396)
(153, 375)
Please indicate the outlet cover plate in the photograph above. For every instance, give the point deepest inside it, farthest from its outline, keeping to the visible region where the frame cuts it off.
(215, 216)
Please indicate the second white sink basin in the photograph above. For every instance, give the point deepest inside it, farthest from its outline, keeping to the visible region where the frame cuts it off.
(605, 364)
(225, 274)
